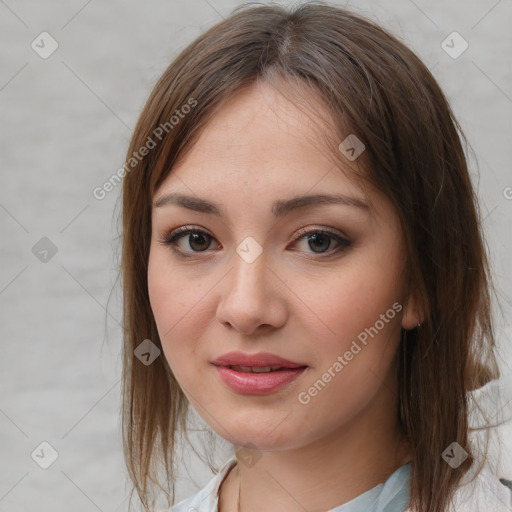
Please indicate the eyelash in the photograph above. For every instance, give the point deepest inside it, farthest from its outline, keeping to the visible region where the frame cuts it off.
(171, 239)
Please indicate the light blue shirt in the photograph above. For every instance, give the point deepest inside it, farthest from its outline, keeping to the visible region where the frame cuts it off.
(390, 496)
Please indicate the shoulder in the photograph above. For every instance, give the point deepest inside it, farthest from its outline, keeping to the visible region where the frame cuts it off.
(485, 493)
(206, 499)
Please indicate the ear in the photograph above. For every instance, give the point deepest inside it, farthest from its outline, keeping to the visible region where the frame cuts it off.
(412, 316)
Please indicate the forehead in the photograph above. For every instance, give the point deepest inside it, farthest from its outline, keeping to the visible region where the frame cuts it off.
(261, 140)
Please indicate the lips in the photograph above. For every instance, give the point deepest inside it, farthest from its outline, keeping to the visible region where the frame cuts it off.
(257, 374)
(248, 362)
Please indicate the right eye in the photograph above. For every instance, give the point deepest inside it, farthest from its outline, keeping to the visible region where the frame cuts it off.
(198, 240)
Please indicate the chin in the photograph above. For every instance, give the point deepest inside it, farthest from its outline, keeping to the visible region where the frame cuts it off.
(254, 435)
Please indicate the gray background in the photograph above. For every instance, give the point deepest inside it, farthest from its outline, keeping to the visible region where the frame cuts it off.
(66, 123)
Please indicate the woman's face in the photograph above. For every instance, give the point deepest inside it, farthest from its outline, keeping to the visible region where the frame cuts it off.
(251, 279)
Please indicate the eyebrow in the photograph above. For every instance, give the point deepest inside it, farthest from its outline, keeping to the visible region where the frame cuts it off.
(280, 208)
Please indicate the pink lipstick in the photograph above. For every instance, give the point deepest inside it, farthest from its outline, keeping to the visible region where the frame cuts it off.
(256, 374)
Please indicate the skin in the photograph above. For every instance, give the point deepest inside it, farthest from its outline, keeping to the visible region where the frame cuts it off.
(291, 301)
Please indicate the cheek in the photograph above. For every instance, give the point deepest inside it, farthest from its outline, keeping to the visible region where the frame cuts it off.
(171, 301)
(355, 363)
(359, 310)
(354, 299)
(172, 293)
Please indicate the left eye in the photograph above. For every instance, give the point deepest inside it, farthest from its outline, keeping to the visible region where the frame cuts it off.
(322, 240)
(199, 241)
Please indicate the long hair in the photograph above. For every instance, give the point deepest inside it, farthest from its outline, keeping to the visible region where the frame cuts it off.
(379, 90)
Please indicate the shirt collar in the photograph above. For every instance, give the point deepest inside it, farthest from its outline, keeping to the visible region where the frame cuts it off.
(390, 496)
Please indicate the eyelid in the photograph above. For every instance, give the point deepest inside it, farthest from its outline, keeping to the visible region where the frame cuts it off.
(330, 231)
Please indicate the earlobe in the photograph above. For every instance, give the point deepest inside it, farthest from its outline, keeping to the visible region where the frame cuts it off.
(412, 318)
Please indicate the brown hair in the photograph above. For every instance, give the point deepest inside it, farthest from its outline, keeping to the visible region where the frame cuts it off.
(376, 88)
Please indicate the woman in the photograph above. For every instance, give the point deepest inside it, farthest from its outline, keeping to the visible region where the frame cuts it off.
(302, 246)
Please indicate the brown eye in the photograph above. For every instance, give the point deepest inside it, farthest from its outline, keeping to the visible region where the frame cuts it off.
(198, 241)
(319, 241)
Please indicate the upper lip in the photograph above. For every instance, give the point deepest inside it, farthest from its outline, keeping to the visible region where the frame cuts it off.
(259, 359)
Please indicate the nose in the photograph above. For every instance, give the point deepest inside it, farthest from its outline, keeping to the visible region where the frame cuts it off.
(252, 297)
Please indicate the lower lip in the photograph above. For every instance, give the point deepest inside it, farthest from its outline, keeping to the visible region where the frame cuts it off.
(257, 383)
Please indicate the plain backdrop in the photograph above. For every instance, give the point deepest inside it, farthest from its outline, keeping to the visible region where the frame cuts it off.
(65, 125)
